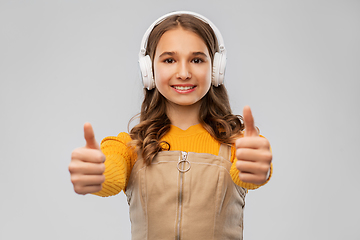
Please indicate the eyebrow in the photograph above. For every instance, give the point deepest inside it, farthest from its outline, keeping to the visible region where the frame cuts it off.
(174, 53)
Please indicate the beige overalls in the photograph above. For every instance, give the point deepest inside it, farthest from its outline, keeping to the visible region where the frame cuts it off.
(187, 196)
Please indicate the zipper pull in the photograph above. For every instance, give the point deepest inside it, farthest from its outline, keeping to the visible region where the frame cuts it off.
(183, 160)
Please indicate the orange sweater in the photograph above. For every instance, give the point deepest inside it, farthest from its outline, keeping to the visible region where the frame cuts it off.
(120, 158)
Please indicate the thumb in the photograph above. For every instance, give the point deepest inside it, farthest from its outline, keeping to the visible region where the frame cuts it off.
(90, 137)
(250, 129)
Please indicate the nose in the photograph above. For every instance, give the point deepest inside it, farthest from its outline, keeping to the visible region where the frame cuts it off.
(183, 71)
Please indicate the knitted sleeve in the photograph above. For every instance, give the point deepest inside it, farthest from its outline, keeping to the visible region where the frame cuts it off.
(120, 159)
(234, 172)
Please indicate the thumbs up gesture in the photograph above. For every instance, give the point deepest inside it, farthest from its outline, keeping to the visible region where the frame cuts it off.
(253, 153)
(87, 165)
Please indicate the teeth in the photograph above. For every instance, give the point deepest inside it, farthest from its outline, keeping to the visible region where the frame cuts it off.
(183, 88)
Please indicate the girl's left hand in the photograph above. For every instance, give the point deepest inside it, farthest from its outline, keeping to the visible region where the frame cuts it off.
(253, 153)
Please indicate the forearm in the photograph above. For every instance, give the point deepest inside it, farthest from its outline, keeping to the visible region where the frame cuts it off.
(117, 164)
(115, 177)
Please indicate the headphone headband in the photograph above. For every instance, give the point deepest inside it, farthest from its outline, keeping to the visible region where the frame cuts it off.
(160, 19)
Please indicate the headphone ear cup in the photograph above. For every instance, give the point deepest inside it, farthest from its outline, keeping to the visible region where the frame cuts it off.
(218, 72)
(146, 72)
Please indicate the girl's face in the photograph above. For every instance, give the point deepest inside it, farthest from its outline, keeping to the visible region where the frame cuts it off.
(182, 67)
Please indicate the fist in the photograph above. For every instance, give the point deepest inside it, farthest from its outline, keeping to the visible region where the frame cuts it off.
(87, 165)
(252, 152)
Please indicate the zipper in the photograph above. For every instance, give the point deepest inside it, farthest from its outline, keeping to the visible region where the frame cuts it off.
(181, 169)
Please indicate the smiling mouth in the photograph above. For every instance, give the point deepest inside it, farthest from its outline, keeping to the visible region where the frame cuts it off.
(183, 88)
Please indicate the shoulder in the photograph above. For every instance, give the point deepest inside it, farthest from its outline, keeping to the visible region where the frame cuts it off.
(119, 145)
(122, 138)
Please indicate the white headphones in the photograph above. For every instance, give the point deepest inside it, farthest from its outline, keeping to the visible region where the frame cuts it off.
(145, 63)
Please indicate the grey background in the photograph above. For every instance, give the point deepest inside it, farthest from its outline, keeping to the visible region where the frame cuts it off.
(296, 63)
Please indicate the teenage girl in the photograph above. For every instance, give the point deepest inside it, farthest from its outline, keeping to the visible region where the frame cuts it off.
(188, 164)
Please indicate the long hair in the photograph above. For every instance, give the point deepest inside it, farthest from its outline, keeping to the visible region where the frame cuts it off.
(215, 113)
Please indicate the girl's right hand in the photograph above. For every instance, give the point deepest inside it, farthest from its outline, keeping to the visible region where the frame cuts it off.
(87, 165)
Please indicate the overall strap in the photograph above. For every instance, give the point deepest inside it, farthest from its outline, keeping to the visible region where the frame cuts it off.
(225, 151)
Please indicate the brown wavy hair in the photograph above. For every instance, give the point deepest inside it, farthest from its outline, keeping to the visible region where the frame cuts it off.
(215, 113)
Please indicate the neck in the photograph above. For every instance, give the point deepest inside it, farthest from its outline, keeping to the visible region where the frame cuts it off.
(183, 117)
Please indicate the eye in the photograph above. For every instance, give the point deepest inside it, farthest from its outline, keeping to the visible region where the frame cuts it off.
(169, 60)
(197, 60)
